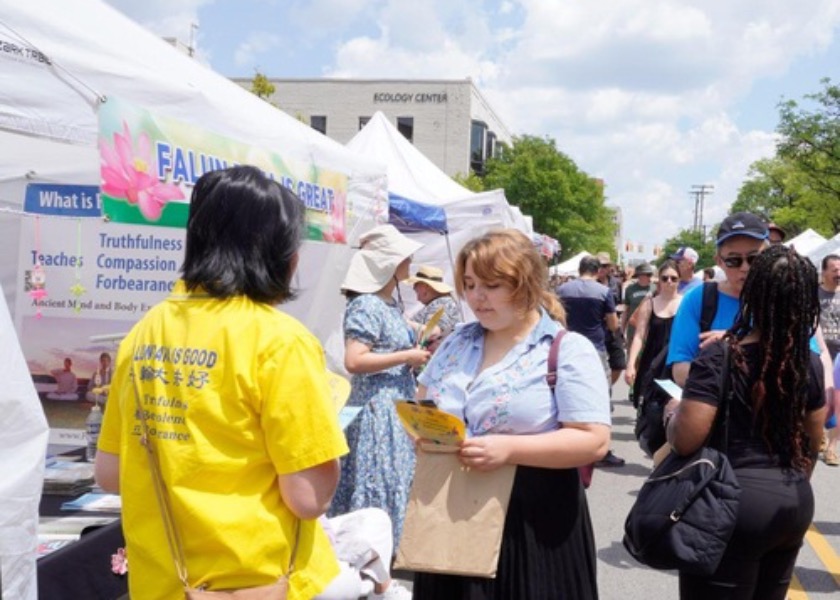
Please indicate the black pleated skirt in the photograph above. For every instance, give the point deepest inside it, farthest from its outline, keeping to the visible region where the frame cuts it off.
(548, 549)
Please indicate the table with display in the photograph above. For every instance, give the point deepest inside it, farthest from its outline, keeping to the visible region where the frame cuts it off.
(82, 569)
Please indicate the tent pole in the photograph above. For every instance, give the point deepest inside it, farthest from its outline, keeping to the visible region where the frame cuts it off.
(445, 234)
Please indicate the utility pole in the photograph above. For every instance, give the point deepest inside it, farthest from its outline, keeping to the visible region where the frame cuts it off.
(193, 29)
(699, 192)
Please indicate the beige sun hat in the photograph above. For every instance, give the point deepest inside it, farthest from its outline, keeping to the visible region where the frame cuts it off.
(604, 258)
(382, 249)
(431, 276)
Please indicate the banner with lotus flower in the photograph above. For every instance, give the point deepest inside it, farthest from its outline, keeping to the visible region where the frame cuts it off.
(149, 164)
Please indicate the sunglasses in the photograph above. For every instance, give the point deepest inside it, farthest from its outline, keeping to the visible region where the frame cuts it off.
(669, 278)
(735, 262)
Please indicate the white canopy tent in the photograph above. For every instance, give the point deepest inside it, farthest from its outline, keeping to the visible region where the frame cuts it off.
(413, 176)
(568, 267)
(22, 444)
(59, 62)
(830, 246)
(806, 241)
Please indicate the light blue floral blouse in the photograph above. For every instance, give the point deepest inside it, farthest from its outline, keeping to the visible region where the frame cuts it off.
(513, 396)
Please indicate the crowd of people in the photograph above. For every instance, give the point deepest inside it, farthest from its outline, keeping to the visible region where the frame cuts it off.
(256, 481)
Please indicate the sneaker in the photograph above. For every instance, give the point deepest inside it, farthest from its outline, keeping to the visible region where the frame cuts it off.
(830, 457)
(610, 460)
(395, 591)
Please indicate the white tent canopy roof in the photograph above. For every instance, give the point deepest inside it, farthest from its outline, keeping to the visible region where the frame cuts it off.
(95, 51)
(831, 246)
(568, 267)
(59, 61)
(414, 177)
(806, 241)
(410, 173)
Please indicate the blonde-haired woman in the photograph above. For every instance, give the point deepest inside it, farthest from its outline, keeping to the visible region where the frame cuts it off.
(492, 374)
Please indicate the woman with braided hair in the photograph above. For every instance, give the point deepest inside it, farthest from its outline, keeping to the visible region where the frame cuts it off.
(775, 415)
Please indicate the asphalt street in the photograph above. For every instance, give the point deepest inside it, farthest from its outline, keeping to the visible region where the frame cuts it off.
(612, 494)
(817, 575)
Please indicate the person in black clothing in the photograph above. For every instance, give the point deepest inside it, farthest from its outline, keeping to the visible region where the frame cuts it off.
(614, 338)
(653, 330)
(775, 426)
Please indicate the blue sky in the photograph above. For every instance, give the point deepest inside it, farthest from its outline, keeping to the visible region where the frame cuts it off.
(653, 96)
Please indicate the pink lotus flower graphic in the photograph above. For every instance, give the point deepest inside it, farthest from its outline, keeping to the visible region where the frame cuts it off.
(119, 562)
(128, 174)
(335, 232)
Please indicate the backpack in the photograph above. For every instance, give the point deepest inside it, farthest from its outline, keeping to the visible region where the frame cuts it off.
(585, 471)
(649, 430)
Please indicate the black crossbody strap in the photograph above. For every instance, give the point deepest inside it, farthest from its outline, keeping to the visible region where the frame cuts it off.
(724, 402)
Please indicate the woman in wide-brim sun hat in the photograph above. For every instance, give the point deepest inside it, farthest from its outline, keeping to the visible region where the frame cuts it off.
(380, 352)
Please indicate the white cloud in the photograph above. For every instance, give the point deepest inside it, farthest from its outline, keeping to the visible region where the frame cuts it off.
(320, 18)
(367, 57)
(642, 93)
(166, 18)
(257, 43)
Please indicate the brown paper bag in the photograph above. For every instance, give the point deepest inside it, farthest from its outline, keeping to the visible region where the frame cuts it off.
(455, 517)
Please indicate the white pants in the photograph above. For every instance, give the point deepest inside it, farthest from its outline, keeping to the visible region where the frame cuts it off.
(363, 544)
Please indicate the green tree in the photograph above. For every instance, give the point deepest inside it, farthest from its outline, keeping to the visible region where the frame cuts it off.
(262, 87)
(565, 203)
(810, 144)
(688, 237)
(799, 188)
(765, 191)
(472, 181)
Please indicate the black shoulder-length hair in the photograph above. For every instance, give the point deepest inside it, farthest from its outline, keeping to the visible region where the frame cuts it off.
(243, 232)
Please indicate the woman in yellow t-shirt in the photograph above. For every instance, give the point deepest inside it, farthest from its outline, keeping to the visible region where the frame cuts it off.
(236, 399)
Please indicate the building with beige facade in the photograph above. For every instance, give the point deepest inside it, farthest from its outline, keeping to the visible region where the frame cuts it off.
(447, 120)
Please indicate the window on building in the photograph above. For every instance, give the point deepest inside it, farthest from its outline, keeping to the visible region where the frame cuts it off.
(490, 146)
(362, 122)
(405, 125)
(318, 123)
(478, 131)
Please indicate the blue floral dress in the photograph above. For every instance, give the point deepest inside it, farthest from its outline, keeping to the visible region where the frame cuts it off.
(379, 469)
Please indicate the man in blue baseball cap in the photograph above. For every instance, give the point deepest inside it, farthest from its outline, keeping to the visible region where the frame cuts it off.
(740, 238)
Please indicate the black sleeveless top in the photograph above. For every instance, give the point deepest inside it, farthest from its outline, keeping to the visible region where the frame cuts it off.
(658, 335)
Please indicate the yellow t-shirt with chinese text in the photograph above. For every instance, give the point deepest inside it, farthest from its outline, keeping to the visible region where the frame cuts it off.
(235, 392)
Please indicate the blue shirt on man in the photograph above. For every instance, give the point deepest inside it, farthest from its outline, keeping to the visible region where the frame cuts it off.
(587, 303)
(684, 345)
(685, 332)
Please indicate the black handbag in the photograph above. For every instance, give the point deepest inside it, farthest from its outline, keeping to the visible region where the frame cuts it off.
(686, 511)
(651, 402)
(651, 399)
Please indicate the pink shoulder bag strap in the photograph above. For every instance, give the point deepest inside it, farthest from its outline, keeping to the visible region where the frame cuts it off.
(584, 471)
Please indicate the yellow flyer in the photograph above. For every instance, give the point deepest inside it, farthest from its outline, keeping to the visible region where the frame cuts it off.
(431, 424)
